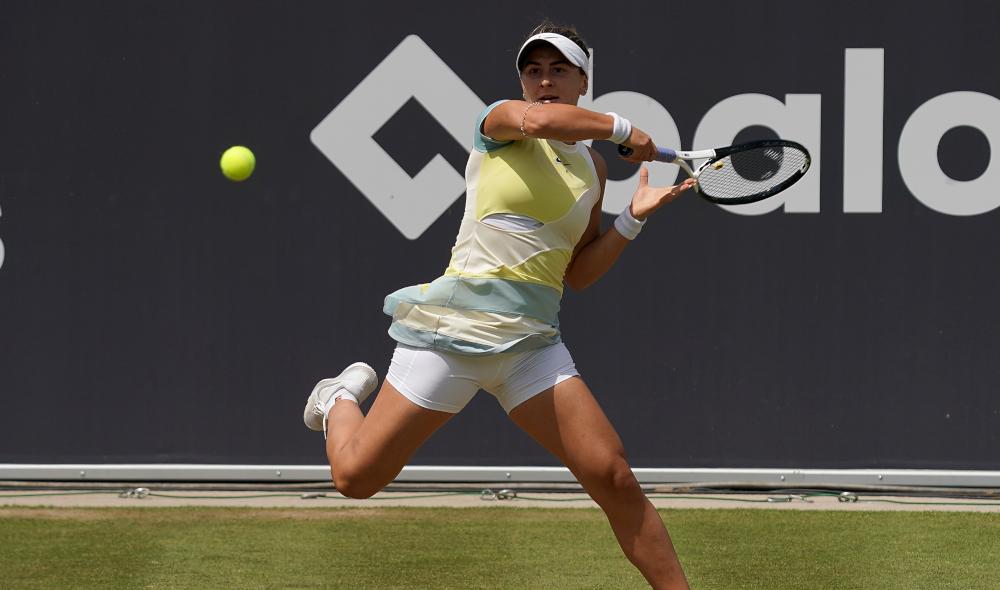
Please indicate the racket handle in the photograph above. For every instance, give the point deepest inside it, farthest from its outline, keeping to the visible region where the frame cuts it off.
(662, 154)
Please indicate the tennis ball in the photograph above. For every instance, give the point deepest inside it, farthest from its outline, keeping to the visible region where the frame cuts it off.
(237, 163)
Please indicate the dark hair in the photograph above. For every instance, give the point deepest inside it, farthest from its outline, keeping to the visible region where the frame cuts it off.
(568, 31)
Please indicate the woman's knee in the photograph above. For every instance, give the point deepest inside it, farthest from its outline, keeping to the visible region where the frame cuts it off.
(355, 483)
(353, 476)
(609, 475)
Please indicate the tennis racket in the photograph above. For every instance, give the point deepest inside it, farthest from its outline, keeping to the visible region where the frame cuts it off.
(742, 173)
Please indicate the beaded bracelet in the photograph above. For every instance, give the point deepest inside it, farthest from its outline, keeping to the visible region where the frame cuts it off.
(525, 116)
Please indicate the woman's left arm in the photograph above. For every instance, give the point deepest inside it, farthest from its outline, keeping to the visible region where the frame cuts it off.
(596, 253)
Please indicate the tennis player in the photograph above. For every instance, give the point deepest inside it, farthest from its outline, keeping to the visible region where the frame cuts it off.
(531, 225)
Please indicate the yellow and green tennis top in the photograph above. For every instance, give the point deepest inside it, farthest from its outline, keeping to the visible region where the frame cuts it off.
(527, 205)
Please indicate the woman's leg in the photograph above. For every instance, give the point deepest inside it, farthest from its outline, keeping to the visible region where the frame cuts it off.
(567, 421)
(367, 452)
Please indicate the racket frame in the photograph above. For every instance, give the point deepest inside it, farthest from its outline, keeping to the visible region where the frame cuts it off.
(680, 158)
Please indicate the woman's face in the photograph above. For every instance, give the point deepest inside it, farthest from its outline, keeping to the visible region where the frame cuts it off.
(549, 78)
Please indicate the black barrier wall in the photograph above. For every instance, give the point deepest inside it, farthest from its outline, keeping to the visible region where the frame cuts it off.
(152, 311)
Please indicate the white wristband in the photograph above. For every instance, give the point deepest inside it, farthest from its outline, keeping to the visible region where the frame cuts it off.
(622, 129)
(628, 226)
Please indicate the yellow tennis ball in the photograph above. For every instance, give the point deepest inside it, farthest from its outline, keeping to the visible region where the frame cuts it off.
(237, 163)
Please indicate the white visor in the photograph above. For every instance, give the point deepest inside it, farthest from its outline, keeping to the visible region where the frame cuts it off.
(570, 50)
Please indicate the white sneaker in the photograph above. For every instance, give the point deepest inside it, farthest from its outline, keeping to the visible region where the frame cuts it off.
(359, 379)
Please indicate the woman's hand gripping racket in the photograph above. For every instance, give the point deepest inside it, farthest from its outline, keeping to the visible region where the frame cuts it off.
(742, 173)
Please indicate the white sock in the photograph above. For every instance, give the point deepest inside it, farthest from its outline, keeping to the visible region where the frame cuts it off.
(344, 394)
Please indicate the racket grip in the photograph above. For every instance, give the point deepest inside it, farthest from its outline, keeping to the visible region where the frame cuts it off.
(662, 154)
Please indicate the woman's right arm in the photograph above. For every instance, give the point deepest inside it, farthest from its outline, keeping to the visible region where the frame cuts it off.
(517, 119)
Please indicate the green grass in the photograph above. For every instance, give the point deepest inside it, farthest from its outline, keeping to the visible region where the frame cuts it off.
(496, 547)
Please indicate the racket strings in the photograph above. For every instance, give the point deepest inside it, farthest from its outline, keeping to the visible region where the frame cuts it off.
(747, 174)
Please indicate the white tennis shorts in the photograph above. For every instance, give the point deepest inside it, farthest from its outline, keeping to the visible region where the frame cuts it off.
(447, 381)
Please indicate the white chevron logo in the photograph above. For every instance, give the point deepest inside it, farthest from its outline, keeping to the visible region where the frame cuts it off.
(411, 70)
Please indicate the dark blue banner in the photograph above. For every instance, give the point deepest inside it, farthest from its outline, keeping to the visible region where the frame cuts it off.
(153, 311)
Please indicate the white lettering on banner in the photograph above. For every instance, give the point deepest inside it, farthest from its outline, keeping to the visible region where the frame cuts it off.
(918, 161)
(413, 70)
(864, 105)
(798, 117)
(656, 121)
